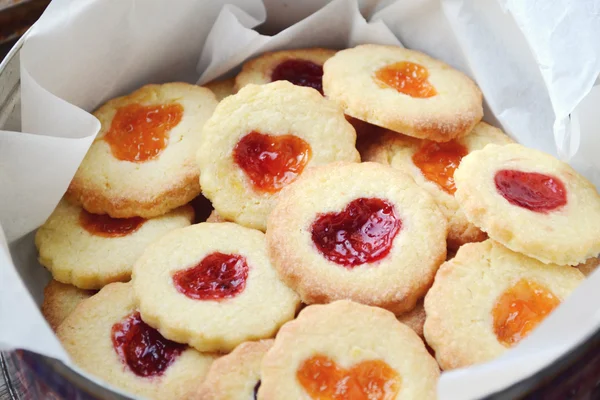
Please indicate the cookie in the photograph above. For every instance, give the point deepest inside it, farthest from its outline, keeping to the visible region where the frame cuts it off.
(106, 337)
(302, 67)
(215, 217)
(222, 88)
(403, 90)
(212, 286)
(235, 376)
(432, 166)
(346, 350)
(530, 202)
(142, 160)
(89, 250)
(260, 140)
(589, 266)
(357, 231)
(487, 298)
(415, 318)
(60, 300)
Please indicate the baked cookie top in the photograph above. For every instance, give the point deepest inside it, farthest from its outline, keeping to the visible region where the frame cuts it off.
(222, 88)
(302, 67)
(60, 300)
(358, 231)
(403, 90)
(530, 202)
(432, 166)
(487, 298)
(211, 285)
(105, 336)
(235, 376)
(260, 140)
(142, 160)
(349, 351)
(415, 318)
(90, 250)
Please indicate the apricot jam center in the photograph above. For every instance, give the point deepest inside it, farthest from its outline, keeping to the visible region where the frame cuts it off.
(363, 232)
(139, 133)
(271, 162)
(407, 78)
(218, 276)
(106, 226)
(536, 192)
(438, 161)
(300, 72)
(520, 309)
(323, 379)
(142, 348)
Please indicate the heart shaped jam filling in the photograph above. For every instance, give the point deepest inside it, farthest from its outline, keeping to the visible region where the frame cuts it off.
(363, 232)
(323, 379)
(406, 77)
(531, 190)
(520, 309)
(218, 276)
(139, 133)
(438, 161)
(271, 162)
(299, 72)
(142, 348)
(106, 226)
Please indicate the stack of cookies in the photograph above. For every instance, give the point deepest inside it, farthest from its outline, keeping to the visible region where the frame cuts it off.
(443, 248)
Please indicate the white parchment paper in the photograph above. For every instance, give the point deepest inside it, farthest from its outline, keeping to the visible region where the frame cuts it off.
(534, 62)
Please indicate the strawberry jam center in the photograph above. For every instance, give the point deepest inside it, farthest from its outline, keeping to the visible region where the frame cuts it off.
(106, 226)
(363, 232)
(531, 190)
(271, 162)
(218, 276)
(520, 309)
(140, 133)
(407, 78)
(300, 72)
(142, 348)
(323, 379)
(438, 161)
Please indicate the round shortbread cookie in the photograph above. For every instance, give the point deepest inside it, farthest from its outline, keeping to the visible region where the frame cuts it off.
(105, 337)
(222, 88)
(487, 298)
(530, 202)
(432, 166)
(260, 140)
(442, 103)
(415, 319)
(357, 231)
(215, 217)
(89, 251)
(235, 376)
(347, 350)
(212, 286)
(303, 67)
(60, 300)
(588, 267)
(142, 160)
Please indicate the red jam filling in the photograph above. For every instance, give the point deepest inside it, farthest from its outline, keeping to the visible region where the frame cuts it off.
(536, 192)
(520, 309)
(407, 78)
(362, 232)
(106, 226)
(218, 276)
(139, 133)
(142, 348)
(323, 379)
(300, 72)
(438, 161)
(271, 162)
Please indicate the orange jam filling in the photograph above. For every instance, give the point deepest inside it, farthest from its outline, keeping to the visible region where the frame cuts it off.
(406, 77)
(520, 309)
(438, 161)
(139, 133)
(106, 226)
(323, 379)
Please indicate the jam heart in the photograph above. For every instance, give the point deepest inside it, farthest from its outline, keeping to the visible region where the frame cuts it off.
(406, 77)
(438, 161)
(536, 192)
(300, 72)
(271, 162)
(363, 232)
(323, 379)
(106, 226)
